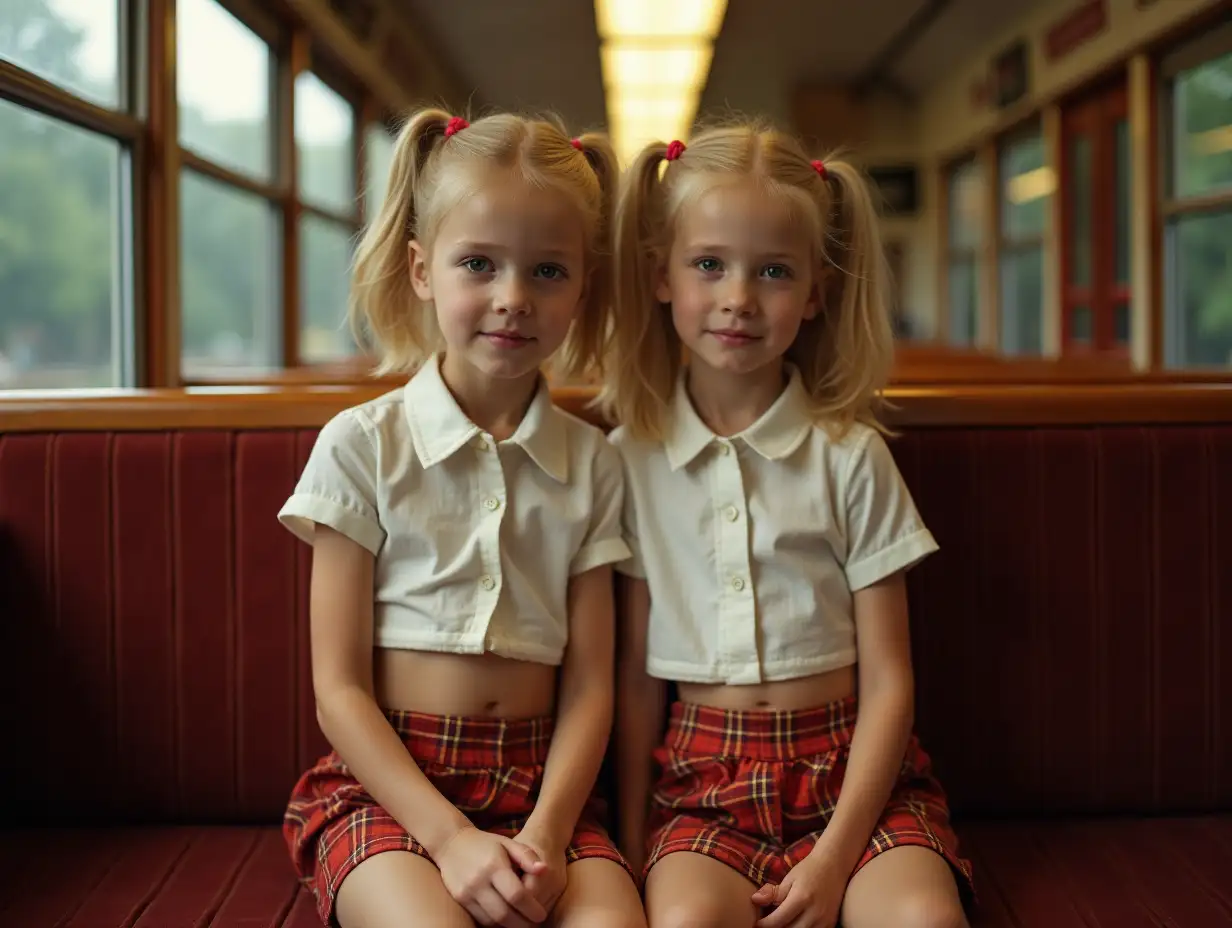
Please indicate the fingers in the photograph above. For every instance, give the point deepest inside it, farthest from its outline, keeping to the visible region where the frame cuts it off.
(525, 857)
(497, 910)
(765, 894)
(786, 914)
(518, 896)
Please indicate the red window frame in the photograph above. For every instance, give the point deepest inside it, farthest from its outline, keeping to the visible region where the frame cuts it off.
(1095, 116)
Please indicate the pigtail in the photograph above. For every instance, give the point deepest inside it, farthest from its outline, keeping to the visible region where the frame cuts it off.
(383, 303)
(846, 357)
(644, 356)
(584, 351)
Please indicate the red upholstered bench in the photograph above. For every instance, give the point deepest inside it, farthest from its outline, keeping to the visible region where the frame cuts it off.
(1073, 643)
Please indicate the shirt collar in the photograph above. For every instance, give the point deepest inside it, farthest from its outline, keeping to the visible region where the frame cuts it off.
(440, 428)
(776, 434)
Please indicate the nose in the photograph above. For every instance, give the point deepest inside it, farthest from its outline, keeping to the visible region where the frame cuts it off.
(514, 296)
(738, 297)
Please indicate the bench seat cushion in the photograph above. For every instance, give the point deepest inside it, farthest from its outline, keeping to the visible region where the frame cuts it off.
(1123, 873)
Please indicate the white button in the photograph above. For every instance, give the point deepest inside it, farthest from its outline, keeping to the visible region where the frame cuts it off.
(487, 582)
(724, 448)
(481, 443)
(492, 503)
(732, 513)
(737, 584)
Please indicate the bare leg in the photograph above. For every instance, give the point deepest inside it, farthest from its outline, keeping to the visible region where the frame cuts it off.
(687, 890)
(397, 889)
(600, 894)
(908, 887)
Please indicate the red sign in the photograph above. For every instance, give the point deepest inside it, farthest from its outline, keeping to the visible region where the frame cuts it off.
(1072, 30)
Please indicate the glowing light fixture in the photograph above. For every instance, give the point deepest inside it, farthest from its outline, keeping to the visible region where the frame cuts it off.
(655, 57)
(1031, 185)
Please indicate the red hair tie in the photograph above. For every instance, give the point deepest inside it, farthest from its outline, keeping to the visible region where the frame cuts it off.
(455, 124)
(820, 168)
(675, 149)
(576, 143)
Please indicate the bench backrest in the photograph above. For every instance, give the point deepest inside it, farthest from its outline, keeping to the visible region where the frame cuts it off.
(1073, 637)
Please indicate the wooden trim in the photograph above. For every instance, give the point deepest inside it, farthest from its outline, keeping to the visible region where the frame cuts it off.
(1154, 166)
(913, 407)
(351, 221)
(32, 92)
(297, 62)
(225, 175)
(1203, 203)
(159, 180)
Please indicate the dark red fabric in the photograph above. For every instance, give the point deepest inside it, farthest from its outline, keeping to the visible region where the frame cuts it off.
(755, 789)
(491, 769)
(1076, 624)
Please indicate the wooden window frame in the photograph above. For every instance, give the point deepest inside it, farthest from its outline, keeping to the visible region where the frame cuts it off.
(953, 256)
(145, 123)
(1214, 43)
(1094, 113)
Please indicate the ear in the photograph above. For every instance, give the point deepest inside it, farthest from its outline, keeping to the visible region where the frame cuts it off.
(813, 304)
(662, 287)
(417, 258)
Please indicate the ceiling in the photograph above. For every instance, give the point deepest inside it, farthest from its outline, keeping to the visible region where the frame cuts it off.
(544, 54)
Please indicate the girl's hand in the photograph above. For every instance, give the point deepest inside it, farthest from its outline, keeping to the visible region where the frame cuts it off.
(545, 885)
(810, 896)
(478, 870)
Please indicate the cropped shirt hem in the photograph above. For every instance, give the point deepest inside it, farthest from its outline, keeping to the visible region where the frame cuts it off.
(302, 509)
(607, 551)
(904, 553)
(464, 644)
(790, 669)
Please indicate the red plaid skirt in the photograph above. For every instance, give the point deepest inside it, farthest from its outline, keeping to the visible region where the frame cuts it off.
(755, 790)
(491, 769)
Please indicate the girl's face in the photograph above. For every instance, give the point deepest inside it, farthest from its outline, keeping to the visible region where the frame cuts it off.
(740, 278)
(506, 274)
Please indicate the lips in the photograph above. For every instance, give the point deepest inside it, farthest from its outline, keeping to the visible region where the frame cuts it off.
(507, 338)
(734, 337)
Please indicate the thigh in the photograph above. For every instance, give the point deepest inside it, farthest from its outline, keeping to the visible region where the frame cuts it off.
(693, 890)
(906, 885)
(600, 894)
(397, 889)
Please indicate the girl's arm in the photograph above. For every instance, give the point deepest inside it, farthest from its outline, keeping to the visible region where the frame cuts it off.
(639, 719)
(883, 723)
(342, 643)
(583, 711)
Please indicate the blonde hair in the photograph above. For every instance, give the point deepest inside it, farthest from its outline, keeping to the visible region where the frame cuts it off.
(844, 354)
(431, 171)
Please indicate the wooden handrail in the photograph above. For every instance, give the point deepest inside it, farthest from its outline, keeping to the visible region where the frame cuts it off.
(312, 406)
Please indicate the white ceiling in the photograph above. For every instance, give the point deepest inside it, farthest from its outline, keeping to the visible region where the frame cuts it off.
(544, 54)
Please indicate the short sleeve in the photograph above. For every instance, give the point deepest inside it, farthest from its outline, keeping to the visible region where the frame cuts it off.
(604, 542)
(338, 487)
(885, 533)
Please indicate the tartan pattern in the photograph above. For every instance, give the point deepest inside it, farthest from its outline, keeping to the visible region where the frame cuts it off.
(755, 789)
(491, 769)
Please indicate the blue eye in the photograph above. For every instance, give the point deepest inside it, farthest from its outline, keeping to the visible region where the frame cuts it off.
(477, 265)
(708, 265)
(777, 271)
(551, 272)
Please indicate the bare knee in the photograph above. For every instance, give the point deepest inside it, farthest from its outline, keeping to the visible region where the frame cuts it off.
(693, 913)
(928, 909)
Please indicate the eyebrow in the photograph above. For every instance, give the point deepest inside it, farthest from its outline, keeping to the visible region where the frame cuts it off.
(765, 256)
(551, 252)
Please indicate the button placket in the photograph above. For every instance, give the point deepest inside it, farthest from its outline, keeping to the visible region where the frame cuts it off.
(737, 620)
(490, 493)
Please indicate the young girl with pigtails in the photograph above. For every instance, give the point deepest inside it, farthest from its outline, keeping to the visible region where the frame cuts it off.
(463, 531)
(770, 531)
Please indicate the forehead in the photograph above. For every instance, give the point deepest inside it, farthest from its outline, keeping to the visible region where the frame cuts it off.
(503, 206)
(742, 213)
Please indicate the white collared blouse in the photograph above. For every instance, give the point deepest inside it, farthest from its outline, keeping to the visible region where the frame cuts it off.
(475, 540)
(754, 545)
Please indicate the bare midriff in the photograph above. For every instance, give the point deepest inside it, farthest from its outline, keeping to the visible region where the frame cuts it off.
(466, 685)
(790, 695)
